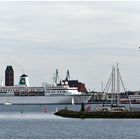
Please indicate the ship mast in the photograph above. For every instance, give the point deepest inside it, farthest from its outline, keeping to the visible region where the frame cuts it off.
(55, 77)
(67, 75)
(115, 81)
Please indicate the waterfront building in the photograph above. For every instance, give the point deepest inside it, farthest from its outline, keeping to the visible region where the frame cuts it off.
(9, 76)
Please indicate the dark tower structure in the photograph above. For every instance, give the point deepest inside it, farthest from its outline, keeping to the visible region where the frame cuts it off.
(9, 76)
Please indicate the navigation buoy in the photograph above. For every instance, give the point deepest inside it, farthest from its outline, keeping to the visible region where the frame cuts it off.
(45, 110)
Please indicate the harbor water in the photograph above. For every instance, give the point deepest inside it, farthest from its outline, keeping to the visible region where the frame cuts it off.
(38, 122)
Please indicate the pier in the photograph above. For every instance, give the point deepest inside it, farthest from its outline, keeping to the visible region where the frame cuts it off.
(97, 114)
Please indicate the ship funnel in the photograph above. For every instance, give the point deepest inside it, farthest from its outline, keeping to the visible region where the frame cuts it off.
(24, 80)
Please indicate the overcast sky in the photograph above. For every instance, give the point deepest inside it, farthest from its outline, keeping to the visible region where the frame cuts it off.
(85, 37)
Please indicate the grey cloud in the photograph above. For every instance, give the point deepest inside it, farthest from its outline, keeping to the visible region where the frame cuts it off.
(61, 34)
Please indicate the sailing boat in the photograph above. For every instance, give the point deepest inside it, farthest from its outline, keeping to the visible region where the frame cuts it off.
(114, 83)
(72, 101)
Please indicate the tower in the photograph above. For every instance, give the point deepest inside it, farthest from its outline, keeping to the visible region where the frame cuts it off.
(9, 76)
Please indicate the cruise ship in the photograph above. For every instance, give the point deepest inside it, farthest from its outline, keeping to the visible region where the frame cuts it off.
(62, 93)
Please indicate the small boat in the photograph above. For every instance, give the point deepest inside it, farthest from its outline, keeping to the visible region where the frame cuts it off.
(7, 103)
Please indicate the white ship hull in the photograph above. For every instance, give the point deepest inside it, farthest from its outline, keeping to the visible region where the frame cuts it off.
(67, 99)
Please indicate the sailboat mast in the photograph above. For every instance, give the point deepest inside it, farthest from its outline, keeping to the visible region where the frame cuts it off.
(113, 86)
(129, 101)
(118, 84)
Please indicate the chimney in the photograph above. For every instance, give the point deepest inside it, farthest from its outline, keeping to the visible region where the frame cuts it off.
(24, 80)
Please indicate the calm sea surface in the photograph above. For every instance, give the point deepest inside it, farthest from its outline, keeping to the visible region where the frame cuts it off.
(32, 122)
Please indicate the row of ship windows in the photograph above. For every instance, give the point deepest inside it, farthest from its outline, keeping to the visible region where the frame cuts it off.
(10, 90)
(55, 91)
(57, 94)
(51, 91)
